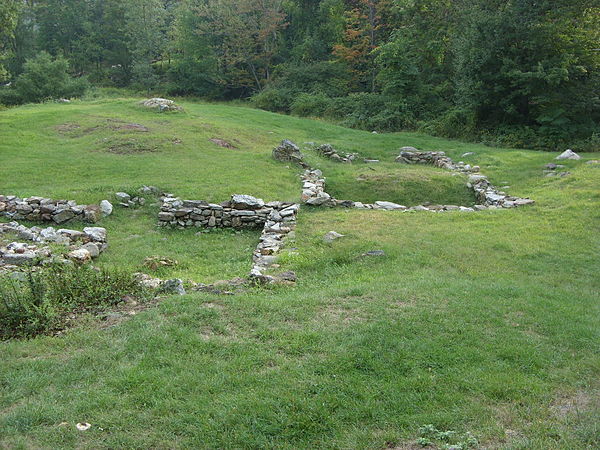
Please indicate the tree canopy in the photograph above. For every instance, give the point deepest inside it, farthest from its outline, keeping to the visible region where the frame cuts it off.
(512, 72)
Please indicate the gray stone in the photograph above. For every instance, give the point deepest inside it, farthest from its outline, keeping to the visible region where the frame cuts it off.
(239, 201)
(389, 206)
(173, 286)
(568, 154)
(92, 249)
(97, 234)
(123, 197)
(332, 236)
(19, 259)
(63, 215)
(287, 151)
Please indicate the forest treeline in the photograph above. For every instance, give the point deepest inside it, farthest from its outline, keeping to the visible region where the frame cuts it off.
(507, 72)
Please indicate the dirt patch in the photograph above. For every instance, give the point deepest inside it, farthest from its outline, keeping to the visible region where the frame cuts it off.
(578, 402)
(129, 146)
(67, 128)
(75, 130)
(222, 143)
(121, 125)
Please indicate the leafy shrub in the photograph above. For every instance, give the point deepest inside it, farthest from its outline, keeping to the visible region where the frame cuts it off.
(370, 111)
(43, 79)
(330, 78)
(191, 77)
(273, 99)
(313, 105)
(40, 303)
(25, 310)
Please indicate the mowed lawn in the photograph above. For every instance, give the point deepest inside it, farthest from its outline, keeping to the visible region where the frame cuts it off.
(487, 323)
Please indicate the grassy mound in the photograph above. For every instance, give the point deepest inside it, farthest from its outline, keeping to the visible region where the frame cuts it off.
(482, 324)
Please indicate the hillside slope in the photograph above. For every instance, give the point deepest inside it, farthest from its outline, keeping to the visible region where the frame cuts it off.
(483, 322)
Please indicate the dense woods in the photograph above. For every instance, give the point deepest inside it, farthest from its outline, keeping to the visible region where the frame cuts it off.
(509, 72)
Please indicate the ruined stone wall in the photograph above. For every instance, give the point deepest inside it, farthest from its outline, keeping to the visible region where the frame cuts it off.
(40, 209)
(242, 211)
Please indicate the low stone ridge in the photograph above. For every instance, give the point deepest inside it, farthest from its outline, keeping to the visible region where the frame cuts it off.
(242, 211)
(161, 104)
(314, 194)
(328, 151)
(40, 209)
(280, 224)
(80, 246)
(287, 151)
(437, 159)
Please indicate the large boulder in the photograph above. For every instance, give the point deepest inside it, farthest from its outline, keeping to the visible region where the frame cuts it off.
(239, 201)
(161, 104)
(568, 154)
(287, 151)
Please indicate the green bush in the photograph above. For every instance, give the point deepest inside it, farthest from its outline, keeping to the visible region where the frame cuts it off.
(273, 99)
(25, 309)
(313, 105)
(39, 304)
(44, 78)
(370, 111)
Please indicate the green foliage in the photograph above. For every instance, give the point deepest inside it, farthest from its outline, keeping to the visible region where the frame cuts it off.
(315, 105)
(274, 99)
(45, 78)
(40, 303)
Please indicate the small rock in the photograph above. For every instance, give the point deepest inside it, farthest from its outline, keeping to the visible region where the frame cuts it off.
(80, 255)
(332, 236)
(83, 426)
(173, 286)
(123, 197)
(92, 248)
(374, 253)
(106, 208)
(389, 206)
(467, 154)
(593, 161)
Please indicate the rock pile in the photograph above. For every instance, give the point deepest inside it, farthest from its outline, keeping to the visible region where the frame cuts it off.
(161, 104)
(313, 189)
(242, 211)
(81, 246)
(40, 209)
(287, 151)
(490, 197)
(328, 151)
(281, 222)
(410, 155)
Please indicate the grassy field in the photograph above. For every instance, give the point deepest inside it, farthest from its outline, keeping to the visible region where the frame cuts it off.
(485, 323)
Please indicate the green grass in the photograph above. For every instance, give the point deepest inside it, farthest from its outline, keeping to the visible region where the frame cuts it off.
(474, 322)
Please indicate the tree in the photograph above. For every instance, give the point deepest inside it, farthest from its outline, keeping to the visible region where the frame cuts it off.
(146, 32)
(45, 78)
(8, 22)
(245, 36)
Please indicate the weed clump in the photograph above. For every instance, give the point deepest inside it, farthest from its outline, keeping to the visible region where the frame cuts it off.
(41, 301)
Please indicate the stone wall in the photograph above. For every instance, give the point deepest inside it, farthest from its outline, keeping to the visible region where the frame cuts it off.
(40, 209)
(242, 211)
(29, 248)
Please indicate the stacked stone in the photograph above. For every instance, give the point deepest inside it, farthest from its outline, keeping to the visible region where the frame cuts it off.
(313, 189)
(82, 245)
(46, 210)
(281, 222)
(242, 211)
(328, 151)
(410, 155)
(287, 151)
(490, 197)
(161, 104)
